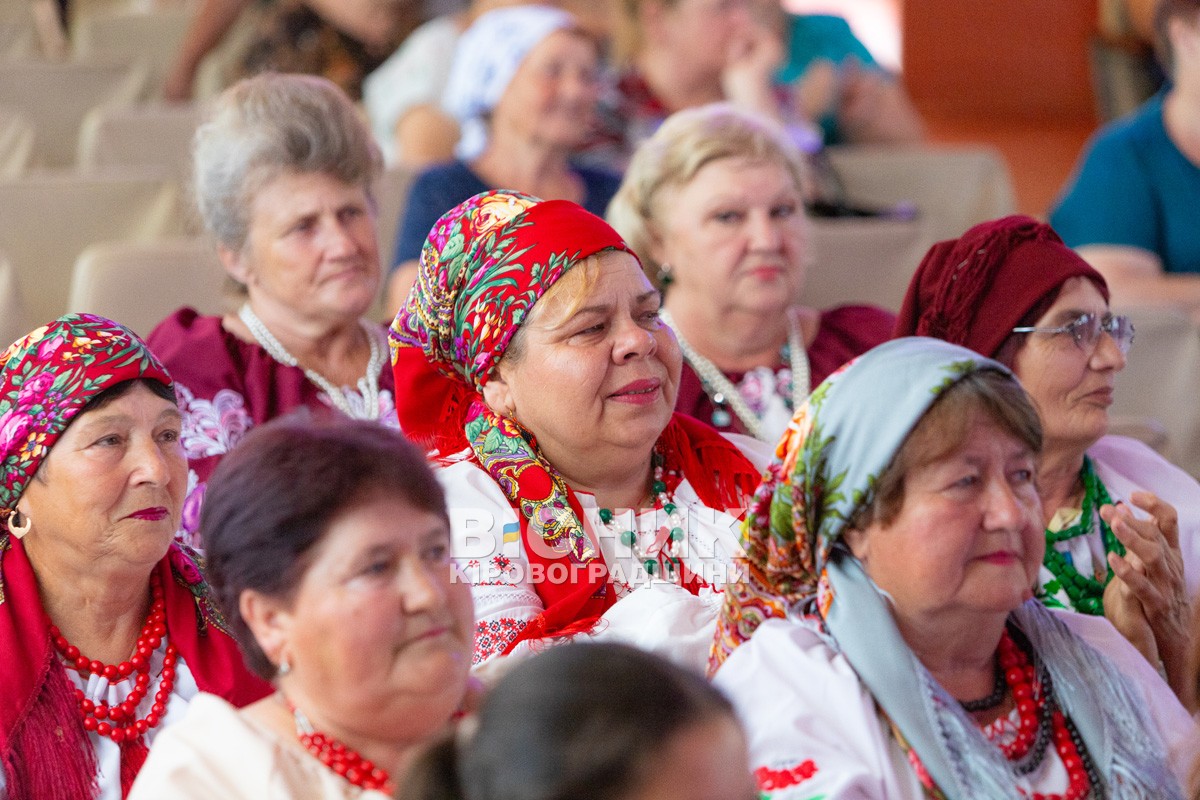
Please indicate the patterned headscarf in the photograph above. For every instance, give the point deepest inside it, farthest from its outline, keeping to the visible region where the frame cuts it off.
(483, 268)
(825, 470)
(975, 289)
(486, 59)
(485, 264)
(48, 376)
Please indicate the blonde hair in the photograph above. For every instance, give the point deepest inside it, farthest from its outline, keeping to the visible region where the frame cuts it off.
(684, 144)
(558, 302)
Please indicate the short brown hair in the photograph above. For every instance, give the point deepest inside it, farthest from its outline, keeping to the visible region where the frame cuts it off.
(270, 502)
(943, 429)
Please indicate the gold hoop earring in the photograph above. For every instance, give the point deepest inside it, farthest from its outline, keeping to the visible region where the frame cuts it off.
(19, 529)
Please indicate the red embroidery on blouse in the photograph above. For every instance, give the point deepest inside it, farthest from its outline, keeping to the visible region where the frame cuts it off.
(493, 636)
(774, 779)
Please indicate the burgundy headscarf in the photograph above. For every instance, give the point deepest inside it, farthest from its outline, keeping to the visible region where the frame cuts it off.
(46, 379)
(975, 289)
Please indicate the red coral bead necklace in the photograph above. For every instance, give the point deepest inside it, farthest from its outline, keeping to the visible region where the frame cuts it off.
(119, 722)
(343, 760)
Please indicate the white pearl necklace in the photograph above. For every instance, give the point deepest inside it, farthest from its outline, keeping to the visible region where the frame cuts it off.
(368, 385)
(721, 389)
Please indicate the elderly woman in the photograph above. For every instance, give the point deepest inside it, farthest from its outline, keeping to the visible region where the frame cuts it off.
(283, 170)
(523, 88)
(584, 505)
(594, 722)
(1010, 289)
(329, 552)
(713, 204)
(892, 549)
(108, 630)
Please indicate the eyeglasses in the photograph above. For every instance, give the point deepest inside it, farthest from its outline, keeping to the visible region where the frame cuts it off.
(1086, 328)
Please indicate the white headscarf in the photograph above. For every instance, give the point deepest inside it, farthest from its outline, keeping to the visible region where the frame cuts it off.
(485, 61)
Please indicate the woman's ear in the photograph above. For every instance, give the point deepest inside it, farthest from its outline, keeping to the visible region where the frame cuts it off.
(269, 620)
(235, 264)
(858, 542)
(498, 396)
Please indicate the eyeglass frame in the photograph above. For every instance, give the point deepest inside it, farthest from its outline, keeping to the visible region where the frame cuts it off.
(1109, 323)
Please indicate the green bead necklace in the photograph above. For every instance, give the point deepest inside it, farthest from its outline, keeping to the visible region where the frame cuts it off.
(1085, 592)
(670, 536)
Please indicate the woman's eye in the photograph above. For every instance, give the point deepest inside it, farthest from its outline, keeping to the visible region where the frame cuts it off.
(377, 568)
(728, 217)
(783, 211)
(112, 440)
(1023, 475)
(966, 482)
(437, 554)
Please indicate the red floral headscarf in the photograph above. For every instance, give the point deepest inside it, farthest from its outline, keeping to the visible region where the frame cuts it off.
(48, 376)
(486, 263)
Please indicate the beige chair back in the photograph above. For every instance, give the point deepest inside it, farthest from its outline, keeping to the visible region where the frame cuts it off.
(154, 36)
(55, 97)
(14, 322)
(860, 261)
(16, 143)
(18, 38)
(144, 135)
(1161, 380)
(953, 188)
(46, 221)
(391, 195)
(141, 283)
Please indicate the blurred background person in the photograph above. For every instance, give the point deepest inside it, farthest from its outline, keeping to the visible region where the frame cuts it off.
(593, 722)
(1129, 207)
(838, 83)
(676, 54)
(1010, 289)
(523, 89)
(713, 204)
(329, 551)
(885, 641)
(282, 173)
(552, 417)
(342, 40)
(108, 629)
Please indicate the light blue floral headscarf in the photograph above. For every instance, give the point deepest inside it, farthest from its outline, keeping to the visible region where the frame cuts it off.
(825, 469)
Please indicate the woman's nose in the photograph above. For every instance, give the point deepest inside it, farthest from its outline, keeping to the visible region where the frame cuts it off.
(633, 341)
(765, 232)
(1004, 507)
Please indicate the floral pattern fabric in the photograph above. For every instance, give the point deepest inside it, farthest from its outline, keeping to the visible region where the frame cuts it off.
(225, 387)
(484, 266)
(825, 469)
(48, 376)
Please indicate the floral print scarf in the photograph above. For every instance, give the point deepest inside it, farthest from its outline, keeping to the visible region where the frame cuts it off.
(825, 469)
(48, 376)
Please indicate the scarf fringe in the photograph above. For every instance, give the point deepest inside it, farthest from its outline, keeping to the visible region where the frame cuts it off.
(49, 757)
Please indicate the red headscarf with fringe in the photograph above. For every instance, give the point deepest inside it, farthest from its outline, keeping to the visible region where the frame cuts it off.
(485, 265)
(46, 379)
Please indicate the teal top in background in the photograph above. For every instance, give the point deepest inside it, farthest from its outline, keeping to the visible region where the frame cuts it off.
(817, 36)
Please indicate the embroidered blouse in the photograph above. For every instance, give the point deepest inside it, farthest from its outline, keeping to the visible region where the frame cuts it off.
(226, 386)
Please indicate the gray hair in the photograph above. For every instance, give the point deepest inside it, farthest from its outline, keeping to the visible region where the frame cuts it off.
(686, 142)
(268, 125)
